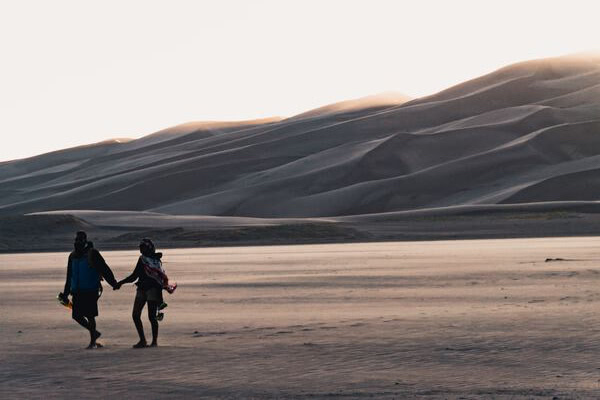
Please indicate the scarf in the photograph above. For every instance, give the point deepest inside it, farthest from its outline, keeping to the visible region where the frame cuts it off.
(154, 269)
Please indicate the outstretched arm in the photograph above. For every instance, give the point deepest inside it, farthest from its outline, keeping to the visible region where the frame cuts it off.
(103, 268)
(134, 275)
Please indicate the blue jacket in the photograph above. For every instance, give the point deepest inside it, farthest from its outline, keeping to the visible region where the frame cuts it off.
(83, 276)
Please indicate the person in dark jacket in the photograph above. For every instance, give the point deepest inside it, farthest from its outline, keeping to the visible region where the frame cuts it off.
(149, 290)
(85, 269)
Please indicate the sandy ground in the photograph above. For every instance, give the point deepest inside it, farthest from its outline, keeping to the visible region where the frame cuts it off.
(447, 319)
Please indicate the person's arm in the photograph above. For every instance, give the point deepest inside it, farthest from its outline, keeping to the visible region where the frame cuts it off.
(67, 288)
(103, 268)
(134, 275)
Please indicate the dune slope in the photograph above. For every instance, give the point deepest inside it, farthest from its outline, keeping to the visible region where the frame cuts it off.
(527, 133)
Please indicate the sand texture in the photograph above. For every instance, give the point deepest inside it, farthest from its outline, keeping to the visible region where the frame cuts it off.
(527, 133)
(437, 320)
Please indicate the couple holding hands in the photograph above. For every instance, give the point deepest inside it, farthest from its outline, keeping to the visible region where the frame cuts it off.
(85, 270)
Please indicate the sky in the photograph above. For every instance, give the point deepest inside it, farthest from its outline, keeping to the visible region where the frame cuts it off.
(79, 72)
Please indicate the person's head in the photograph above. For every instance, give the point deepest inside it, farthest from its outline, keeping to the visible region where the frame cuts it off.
(147, 247)
(80, 241)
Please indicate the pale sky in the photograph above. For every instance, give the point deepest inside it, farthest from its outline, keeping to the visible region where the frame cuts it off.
(78, 72)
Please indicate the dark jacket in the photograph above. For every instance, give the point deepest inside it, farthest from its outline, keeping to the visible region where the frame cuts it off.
(85, 271)
(144, 282)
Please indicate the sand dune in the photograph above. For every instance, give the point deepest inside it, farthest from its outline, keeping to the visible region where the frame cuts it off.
(526, 133)
(374, 103)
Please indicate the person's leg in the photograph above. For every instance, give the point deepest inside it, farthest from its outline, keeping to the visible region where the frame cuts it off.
(136, 314)
(152, 309)
(85, 308)
(161, 301)
(92, 327)
(79, 311)
(94, 334)
(93, 313)
(89, 323)
(81, 320)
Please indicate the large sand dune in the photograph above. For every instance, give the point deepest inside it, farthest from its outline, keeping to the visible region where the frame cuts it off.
(526, 133)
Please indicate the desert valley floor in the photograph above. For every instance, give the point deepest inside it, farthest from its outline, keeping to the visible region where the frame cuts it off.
(446, 319)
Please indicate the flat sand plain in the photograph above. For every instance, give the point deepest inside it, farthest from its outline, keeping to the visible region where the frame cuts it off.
(445, 319)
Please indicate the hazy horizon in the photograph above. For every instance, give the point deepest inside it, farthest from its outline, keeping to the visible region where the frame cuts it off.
(77, 74)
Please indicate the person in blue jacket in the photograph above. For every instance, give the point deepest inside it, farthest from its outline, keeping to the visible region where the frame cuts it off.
(85, 269)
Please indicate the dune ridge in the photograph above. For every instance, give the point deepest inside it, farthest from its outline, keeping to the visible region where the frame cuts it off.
(527, 133)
